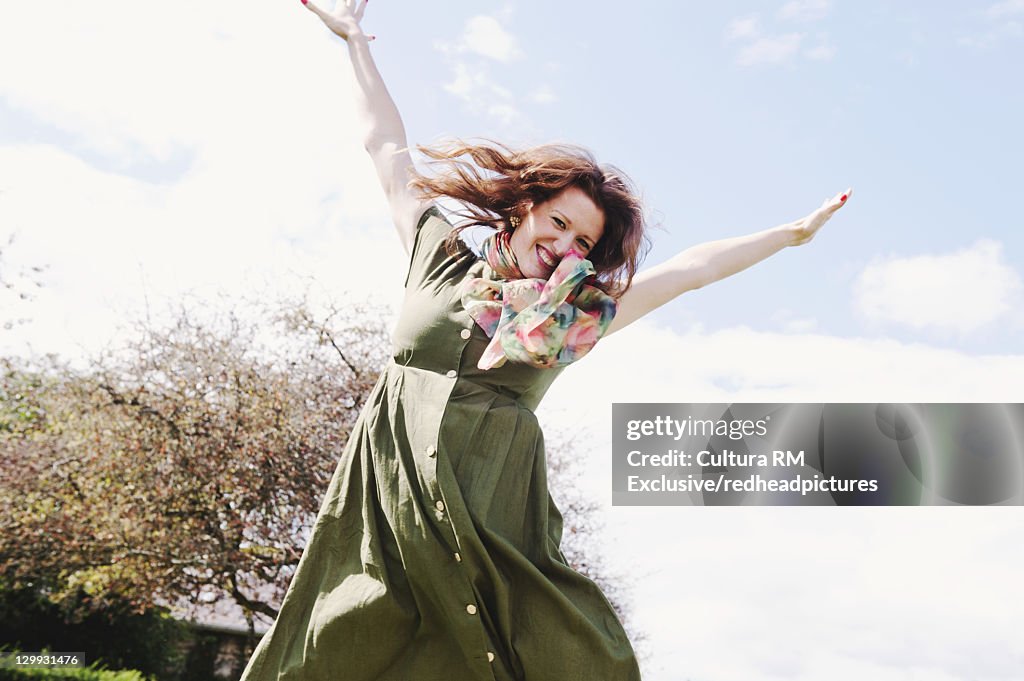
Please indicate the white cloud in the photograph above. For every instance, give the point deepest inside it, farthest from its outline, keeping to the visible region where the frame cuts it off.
(1006, 8)
(767, 47)
(1002, 26)
(857, 590)
(245, 124)
(743, 28)
(770, 50)
(805, 10)
(823, 51)
(472, 81)
(544, 95)
(259, 167)
(105, 76)
(960, 292)
(486, 37)
(505, 113)
(993, 36)
(109, 241)
(741, 364)
(464, 83)
(791, 323)
(473, 85)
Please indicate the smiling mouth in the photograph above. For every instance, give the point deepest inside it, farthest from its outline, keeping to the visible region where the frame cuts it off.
(546, 258)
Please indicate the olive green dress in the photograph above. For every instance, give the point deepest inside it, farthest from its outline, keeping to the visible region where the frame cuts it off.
(435, 555)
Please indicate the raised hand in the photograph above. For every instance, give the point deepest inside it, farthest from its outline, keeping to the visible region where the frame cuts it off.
(344, 18)
(804, 229)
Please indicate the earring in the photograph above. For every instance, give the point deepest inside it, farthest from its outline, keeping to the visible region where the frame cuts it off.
(514, 221)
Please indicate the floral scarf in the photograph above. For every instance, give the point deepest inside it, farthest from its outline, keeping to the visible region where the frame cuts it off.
(544, 323)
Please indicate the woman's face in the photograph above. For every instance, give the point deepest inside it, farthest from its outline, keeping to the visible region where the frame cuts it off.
(567, 220)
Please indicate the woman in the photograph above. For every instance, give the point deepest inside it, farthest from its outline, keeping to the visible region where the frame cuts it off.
(435, 554)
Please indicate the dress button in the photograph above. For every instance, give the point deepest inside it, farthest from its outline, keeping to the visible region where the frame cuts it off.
(431, 451)
(465, 333)
(451, 373)
(471, 609)
(439, 504)
(490, 656)
(458, 558)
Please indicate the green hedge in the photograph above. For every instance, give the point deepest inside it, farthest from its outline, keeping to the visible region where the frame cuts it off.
(115, 637)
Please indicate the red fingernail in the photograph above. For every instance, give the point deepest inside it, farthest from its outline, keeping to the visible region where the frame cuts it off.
(304, 1)
(841, 198)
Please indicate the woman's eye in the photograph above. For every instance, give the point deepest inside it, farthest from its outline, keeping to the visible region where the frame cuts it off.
(583, 244)
(561, 225)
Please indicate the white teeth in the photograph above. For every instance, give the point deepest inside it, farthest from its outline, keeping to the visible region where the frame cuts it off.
(545, 257)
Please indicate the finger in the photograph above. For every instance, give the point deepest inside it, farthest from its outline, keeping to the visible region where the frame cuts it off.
(361, 9)
(311, 6)
(837, 201)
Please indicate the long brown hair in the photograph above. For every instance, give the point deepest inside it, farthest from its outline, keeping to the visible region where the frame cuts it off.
(495, 183)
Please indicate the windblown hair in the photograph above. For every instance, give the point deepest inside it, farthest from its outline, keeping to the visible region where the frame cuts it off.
(495, 183)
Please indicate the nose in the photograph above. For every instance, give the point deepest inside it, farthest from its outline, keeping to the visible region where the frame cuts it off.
(563, 243)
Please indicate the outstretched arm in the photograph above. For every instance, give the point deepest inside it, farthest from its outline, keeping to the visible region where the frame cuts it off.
(384, 132)
(706, 263)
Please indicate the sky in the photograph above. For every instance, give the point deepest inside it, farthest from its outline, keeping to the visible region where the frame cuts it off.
(214, 147)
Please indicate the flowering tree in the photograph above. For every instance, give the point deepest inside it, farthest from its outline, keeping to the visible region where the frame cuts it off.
(190, 461)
